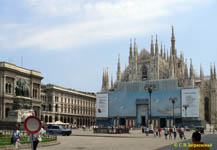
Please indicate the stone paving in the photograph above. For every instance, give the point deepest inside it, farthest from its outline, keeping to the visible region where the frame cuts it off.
(86, 140)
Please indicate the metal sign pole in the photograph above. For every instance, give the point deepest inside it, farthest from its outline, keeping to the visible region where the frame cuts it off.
(32, 141)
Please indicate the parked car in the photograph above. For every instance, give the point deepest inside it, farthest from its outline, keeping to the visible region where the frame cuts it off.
(58, 129)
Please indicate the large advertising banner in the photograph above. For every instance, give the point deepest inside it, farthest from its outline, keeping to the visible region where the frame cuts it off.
(190, 103)
(125, 103)
(101, 105)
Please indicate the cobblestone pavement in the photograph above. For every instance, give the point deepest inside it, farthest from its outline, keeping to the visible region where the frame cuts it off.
(86, 140)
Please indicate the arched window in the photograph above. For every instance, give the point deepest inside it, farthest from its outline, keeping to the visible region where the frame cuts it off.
(56, 108)
(56, 118)
(206, 109)
(49, 108)
(7, 88)
(144, 73)
(46, 119)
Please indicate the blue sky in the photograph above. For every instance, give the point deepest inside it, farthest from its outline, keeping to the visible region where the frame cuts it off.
(71, 41)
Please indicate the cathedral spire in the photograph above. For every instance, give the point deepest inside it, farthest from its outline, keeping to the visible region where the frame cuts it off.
(211, 72)
(112, 85)
(171, 68)
(119, 69)
(167, 55)
(135, 48)
(173, 48)
(186, 69)
(103, 81)
(156, 46)
(214, 74)
(131, 51)
(161, 50)
(191, 70)
(152, 46)
(181, 57)
(164, 52)
(201, 73)
(107, 80)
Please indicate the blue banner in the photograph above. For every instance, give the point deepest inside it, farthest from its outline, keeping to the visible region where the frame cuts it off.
(123, 104)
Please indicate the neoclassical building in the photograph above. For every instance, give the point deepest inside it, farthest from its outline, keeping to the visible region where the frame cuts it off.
(160, 65)
(67, 105)
(19, 89)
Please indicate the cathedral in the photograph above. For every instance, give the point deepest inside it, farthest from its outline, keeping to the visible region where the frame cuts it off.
(159, 64)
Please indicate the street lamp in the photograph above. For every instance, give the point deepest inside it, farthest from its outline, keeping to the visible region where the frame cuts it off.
(150, 88)
(173, 100)
(186, 107)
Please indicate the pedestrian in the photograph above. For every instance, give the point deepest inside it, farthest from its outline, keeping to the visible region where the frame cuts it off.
(174, 132)
(165, 132)
(159, 131)
(147, 131)
(143, 129)
(16, 138)
(170, 133)
(197, 144)
(183, 131)
(35, 139)
(180, 133)
(155, 131)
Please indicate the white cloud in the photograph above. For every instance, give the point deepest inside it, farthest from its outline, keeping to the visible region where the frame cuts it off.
(99, 20)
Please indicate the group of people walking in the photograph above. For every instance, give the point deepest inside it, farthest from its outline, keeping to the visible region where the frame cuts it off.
(170, 133)
(34, 138)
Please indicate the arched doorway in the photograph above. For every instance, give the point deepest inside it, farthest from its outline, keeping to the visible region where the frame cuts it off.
(206, 109)
(6, 112)
(56, 118)
(46, 119)
(50, 119)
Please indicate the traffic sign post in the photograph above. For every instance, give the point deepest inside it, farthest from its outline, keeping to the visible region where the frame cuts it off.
(32, 125)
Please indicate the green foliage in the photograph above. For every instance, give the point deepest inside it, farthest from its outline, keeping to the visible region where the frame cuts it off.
(5, 139)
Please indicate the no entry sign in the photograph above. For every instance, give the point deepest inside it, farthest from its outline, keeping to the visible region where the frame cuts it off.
(32, 124)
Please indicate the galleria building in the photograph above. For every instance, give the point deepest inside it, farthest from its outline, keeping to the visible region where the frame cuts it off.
(21, 88)
(168, 72)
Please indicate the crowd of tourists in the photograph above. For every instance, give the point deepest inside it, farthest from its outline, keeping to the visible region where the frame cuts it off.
(169, 133)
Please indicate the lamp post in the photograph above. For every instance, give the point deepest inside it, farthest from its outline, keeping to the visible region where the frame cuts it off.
(186, 107)
(173, 100)
(150, 88)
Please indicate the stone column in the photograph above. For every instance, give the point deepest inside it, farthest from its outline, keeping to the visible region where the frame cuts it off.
(53, 118)
(31, 88)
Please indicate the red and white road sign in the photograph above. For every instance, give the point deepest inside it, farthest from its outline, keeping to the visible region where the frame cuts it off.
(32, 124)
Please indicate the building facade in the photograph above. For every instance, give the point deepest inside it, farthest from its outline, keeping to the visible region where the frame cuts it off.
(67, 105)
(19, 88)
(160, 65)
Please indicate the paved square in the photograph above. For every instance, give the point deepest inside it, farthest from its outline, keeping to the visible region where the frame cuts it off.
(86, 140)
